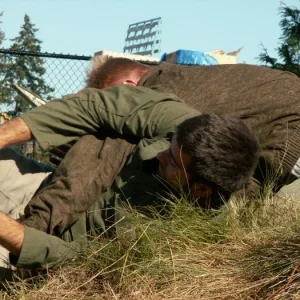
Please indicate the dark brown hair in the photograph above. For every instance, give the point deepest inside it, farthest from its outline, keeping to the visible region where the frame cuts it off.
(224, 150)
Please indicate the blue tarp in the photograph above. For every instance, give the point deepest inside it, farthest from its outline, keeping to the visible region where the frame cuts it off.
(189, 57)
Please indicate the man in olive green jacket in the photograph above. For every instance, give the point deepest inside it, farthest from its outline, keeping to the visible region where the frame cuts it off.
(208, 155)
(267, 100)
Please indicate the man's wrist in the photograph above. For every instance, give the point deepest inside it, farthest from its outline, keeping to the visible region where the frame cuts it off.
(11, 234)
(14, 132)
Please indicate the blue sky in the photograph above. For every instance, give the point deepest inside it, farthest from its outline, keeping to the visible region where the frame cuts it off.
(84, 27)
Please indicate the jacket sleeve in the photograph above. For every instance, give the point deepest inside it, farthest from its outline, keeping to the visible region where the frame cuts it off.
(124, 109)
(77, 183)
(41, 250)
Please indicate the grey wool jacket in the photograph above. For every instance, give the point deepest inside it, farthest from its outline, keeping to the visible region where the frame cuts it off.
(267, 100)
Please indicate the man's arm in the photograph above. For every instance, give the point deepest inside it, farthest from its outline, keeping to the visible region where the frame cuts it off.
(31, 248)
(14, 132)
(11, 234)
(126, 110)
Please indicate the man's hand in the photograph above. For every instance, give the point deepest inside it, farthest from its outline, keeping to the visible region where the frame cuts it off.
(11, 234)
(14, 132)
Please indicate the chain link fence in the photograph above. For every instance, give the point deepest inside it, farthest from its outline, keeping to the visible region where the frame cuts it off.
(65, 74)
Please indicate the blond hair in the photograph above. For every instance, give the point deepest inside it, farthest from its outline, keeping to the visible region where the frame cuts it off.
(107, 71)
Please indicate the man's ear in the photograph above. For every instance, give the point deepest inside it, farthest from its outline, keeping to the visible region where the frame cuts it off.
(130, 82)
(201, 190)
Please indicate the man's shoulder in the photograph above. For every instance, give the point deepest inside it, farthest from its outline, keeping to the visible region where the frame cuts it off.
(128, 93)
(123, 90)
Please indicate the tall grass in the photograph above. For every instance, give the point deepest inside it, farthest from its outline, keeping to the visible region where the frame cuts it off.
(246, 250)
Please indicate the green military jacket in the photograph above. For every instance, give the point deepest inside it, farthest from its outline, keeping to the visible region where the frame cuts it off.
(131, 111)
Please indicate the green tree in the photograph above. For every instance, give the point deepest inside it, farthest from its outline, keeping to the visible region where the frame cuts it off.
(27, 70)
(2, 35)
(289, 49)
(2, 67)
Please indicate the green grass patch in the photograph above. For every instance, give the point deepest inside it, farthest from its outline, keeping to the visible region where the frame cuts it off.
(246, 250)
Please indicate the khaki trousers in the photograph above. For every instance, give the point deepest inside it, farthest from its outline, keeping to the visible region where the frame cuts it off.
(20, 178)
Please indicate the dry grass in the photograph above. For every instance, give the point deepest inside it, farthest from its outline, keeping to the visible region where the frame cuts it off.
(248, 250)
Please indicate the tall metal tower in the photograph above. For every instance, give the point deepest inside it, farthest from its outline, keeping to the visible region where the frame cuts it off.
(144, 38)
